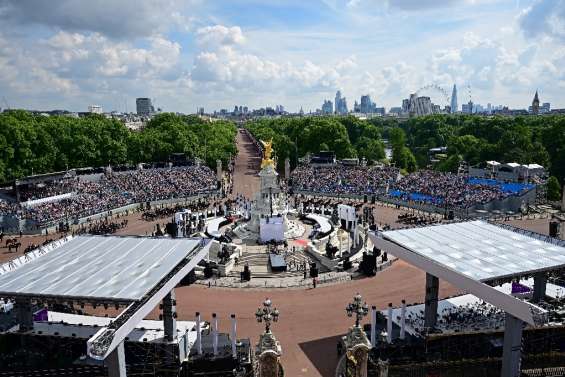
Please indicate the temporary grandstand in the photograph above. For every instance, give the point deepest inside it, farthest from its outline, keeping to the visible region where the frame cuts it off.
(135, 273)
(474, 257)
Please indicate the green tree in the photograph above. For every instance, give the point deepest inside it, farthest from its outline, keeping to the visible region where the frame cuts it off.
(553, 189)
(371, 149)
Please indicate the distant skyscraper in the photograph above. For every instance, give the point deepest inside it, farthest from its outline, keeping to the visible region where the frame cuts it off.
(405, 105)
(337, 101)
(423, 106)
(144, 106)
(328, 107)
(340, 104)
(454, 105)
(367, 106)
(535, 104)
(468, 108)
(95, 109)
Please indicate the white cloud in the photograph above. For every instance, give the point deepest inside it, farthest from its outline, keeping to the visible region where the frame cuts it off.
(544, 18)
(117, 19)
(223, 63)
(110, 58)
(219, 35)
(396, 49)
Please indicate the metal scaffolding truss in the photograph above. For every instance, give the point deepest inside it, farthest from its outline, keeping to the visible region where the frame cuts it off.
(109, 338)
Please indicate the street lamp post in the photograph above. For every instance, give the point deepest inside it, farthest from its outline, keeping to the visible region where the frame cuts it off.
(357, 307)
(267, 314)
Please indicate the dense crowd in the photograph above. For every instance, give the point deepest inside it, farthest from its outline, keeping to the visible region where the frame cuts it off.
(40, 191)
(445, 189)
(468, 317)
(117, 190)
(339, 179)
(441, 189)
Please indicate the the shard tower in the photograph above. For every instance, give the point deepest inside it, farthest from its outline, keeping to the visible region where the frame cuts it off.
(454, 105)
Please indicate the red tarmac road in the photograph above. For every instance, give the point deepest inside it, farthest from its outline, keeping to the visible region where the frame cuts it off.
(311, 320)
(247, 164)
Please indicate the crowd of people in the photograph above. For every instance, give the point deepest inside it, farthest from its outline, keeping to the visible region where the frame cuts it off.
(114, 190)
(340, 179)
(39, 191)
(445, 189)
(462, 318)
(426, 186)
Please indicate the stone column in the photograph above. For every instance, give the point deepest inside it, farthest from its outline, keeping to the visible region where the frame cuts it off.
(287, 168)
(198, 335)
(373, 326)
(268, 353)
(389, 324)
(24, 313)
(403, 320)
(357, 352)
(169, 316)
(512, 351)
(116, 362)
(215, 333)
(233, 337)
(430, 312)
(219, 170)
(540, 282)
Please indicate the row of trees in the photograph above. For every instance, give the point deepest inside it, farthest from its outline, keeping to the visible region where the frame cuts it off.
(32, 144)
(475, 139)
(294, 137)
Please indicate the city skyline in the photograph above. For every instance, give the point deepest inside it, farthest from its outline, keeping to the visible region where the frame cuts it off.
(69, 55)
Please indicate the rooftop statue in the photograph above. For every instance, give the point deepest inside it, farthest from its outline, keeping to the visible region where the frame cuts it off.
(267, 153)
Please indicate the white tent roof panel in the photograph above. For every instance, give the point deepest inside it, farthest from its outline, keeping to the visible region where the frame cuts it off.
(480, 250)
(98, 267)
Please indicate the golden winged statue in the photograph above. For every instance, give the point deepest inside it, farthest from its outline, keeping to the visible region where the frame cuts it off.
(267, 153)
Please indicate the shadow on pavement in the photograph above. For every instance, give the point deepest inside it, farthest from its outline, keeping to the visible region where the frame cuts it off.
(322, 353)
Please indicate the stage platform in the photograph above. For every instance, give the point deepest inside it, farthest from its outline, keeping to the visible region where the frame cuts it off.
(277, 262)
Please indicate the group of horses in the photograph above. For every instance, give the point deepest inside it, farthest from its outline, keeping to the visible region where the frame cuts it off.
(12, 244)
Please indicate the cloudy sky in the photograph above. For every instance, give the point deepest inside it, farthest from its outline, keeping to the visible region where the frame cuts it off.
(67, 54)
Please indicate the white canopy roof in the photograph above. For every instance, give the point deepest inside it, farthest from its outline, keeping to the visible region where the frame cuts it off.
(533, 166)
(98, 267)
(467, 254)
(480, 250)
(513, 164)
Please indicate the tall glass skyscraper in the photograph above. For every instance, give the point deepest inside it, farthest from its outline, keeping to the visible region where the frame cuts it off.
(454, 105)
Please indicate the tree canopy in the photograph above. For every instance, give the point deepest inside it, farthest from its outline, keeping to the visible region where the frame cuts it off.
(474, 139)
(33, 144)
(294, 137)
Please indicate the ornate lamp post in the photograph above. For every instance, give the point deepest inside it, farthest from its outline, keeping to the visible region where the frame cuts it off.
(267, 315)
(268, 350)
(358, 308)
(357, 345)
